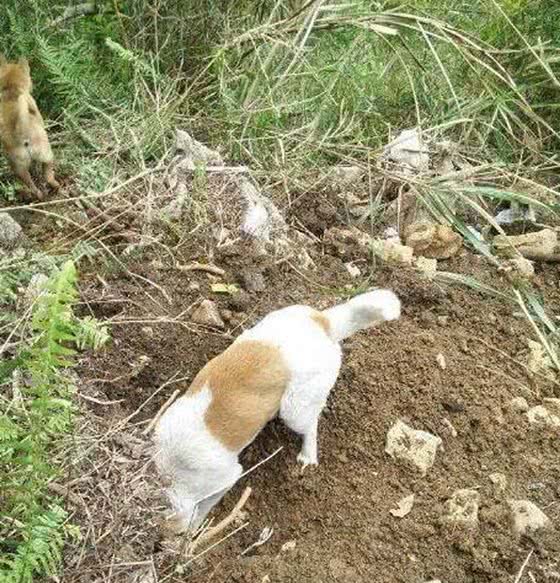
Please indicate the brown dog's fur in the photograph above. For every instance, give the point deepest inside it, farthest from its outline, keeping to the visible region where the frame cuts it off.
(22, 130)
(247, 382)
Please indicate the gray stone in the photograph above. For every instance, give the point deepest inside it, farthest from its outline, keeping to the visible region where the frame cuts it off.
(11, 234)
(527, 517)
(207, 314)
(193, 153)
(414, 446)
(462, 508)
(252, 280)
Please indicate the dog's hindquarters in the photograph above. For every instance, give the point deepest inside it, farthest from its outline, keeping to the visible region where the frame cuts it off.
(313, 360)
(199, 468)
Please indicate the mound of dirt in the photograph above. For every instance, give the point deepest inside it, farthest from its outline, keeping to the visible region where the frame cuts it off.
(451, 366)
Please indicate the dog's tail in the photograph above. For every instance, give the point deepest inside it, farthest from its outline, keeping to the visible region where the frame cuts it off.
(362, 312)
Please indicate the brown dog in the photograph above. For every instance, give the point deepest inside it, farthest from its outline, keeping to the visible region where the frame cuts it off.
(22, 130)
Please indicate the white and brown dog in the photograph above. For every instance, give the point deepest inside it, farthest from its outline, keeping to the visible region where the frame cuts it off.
(286, 365)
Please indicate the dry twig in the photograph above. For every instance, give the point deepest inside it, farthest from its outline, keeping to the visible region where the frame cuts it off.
(195, 266)
(215, 530)
(159, 414)
(523, 567)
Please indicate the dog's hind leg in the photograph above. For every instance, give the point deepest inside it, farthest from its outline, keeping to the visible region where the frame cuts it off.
(48, 172)
(24, 175)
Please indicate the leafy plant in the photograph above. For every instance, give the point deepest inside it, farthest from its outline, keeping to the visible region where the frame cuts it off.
(32, 424)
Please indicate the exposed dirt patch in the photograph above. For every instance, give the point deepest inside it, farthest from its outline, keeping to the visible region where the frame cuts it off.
(338, 514)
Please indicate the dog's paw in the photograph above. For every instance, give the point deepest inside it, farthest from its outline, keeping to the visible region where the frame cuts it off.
(306, 462)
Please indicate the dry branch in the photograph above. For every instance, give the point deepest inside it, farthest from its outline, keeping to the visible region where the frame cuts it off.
(76, 11)
(195, 266)
(544, 257)
(215, 530)
(159, 414)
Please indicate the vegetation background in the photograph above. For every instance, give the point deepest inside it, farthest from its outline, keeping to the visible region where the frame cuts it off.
(283, 85)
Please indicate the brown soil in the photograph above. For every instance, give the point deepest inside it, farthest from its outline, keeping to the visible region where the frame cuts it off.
(337, 515)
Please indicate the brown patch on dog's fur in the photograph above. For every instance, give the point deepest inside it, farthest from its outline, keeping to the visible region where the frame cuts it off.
(320, 319)
(247, 382)
(22, 130)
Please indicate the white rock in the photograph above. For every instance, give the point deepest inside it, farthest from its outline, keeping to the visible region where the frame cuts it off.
(261, 219)
(409, 151)
(193, 153)
(404, 506)
(415, 446)
(518, 404)
(538, 244)
(511, 215)
(207, 314)
(288, 546)
(440, 359)
(352, 269)
(393, 252)
(427, 266)
(527, 517)
(462, 508)
(541, 416)
(35, 288)
(450, 426)
(347, 175)
(11, 232)
(538, 360)
(392, 234)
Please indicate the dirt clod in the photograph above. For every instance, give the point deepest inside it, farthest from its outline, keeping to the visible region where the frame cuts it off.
(417, 447)
(527, 517)
(433, 241)
(518, 404)
(393, 252)
(499, 480)
(540, 416)
(404, 506)
(462, 508)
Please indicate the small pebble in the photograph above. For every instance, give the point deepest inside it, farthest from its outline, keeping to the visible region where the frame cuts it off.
(518, 404)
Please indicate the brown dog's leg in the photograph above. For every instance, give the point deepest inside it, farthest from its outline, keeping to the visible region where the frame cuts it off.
(48, 172)
(25, 177)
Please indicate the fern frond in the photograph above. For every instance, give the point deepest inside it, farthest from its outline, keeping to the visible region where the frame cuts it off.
(40, 551)
(91, 334)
